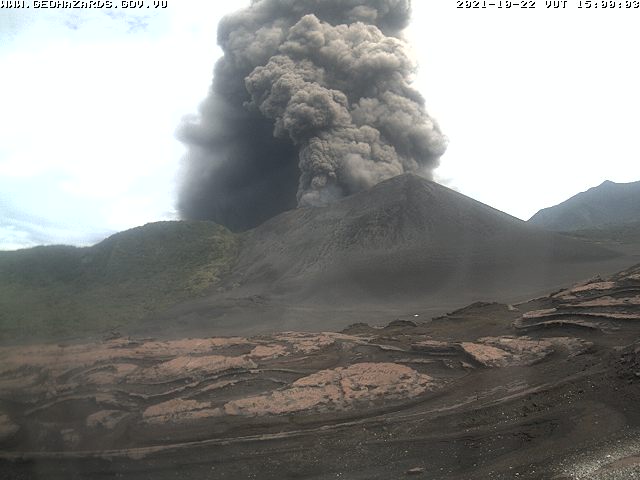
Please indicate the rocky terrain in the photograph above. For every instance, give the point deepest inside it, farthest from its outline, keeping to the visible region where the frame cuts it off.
(543, 389)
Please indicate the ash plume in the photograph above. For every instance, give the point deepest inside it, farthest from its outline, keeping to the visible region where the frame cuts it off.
(311, 102)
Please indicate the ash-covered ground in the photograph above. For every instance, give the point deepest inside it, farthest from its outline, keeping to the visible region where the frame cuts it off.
(543, 389)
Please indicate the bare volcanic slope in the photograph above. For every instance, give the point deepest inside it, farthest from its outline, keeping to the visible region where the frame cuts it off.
(407, 238)
(607, 204)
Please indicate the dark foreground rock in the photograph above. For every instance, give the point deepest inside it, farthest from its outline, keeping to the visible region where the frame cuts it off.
(545, 389)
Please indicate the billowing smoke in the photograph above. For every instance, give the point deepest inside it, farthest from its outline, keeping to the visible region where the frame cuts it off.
(311, 102)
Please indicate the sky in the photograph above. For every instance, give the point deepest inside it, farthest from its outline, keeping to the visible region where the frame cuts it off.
(537, 104)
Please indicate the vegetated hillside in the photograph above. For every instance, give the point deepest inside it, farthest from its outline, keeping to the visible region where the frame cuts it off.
(62, 290)
(406, 236)
(607, 204)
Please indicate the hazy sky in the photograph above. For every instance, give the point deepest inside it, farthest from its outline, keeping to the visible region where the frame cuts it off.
(538, 104)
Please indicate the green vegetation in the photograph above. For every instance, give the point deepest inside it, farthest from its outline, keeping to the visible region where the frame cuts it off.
(61, 290)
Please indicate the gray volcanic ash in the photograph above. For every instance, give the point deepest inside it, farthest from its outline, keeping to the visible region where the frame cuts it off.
(407, 237)
(311, 102)
(401, 246)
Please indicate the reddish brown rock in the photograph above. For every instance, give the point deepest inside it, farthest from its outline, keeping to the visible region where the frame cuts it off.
(188, 366)
(179, 410)
(268, 351)
(507, 351)
(338, 389)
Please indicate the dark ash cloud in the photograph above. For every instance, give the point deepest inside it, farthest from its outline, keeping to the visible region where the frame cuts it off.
(311, 102)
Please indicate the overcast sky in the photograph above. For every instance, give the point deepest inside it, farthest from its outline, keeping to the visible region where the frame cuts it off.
(538, 104)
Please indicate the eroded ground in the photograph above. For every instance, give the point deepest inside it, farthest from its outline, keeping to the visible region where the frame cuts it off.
(545, 389)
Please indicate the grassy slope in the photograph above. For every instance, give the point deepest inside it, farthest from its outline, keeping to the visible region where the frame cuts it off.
(61, 290)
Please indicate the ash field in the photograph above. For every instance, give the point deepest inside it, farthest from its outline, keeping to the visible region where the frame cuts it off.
(543, 389)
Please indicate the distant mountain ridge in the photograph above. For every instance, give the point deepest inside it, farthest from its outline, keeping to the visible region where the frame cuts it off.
(607, 204)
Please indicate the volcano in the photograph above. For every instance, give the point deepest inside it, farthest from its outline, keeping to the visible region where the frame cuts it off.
(489, 390)
(406, 244)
